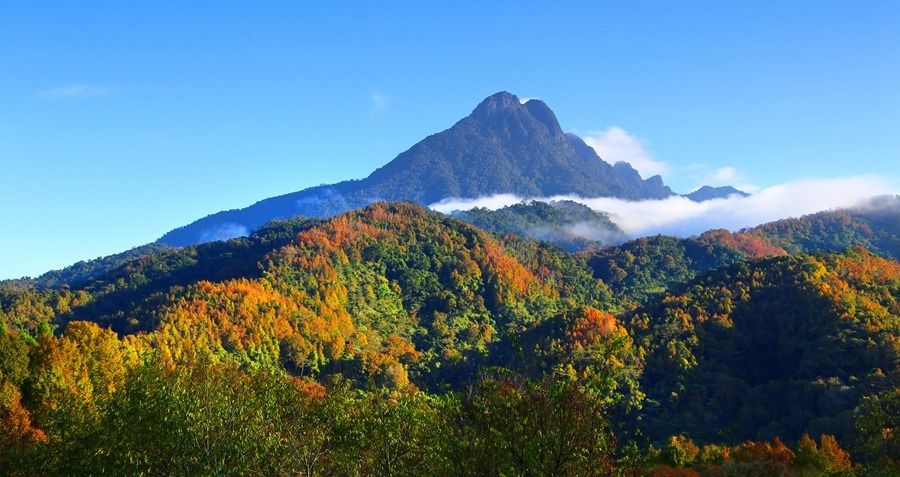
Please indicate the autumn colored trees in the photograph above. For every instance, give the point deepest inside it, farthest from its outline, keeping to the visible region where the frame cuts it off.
(394, 341)
(682, 457)
(723, 354)
(203, 418)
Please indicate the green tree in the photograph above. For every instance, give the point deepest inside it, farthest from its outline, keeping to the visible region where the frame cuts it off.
(510, 426)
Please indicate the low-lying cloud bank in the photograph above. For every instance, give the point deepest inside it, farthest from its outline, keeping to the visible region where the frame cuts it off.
(682, 217)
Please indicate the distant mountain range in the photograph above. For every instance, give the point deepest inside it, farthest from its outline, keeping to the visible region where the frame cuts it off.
(709, 193)
(504, 146)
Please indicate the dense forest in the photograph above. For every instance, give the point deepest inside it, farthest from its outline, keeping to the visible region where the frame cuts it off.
(396, 341)
(873, 225)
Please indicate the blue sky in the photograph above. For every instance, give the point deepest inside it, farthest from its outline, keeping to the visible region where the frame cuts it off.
(122, 120)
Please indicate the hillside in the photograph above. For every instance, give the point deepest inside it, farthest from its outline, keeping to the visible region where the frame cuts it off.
(641, 270)
(874, 225)
(576, 227)
(778, 347)
(503, 146)
(676, 338)
(569, 224)
(344, 295)
(86, 270)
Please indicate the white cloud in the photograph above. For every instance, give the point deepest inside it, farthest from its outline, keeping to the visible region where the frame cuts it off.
(703, 175)
(225, 231)
(723, 175)
(379, 101)
(74, 91)
(682, 217)
(493, 202)
(618, 145)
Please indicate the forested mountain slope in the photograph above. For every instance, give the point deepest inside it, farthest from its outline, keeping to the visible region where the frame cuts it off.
(777, 347)
(383, 292)
(874, 225)
(642, 269)
(398, 321)
(86, 270)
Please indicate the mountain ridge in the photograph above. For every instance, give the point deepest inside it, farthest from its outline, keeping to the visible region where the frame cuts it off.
(871, 225)
(710, 193)
(503, 146)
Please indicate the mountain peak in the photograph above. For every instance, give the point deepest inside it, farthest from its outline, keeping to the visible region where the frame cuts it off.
(540, 111)
(495, 103)
(503, 147)
(505, 112)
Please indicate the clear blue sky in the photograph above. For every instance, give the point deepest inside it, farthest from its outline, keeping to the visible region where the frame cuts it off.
(122, 120)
